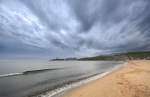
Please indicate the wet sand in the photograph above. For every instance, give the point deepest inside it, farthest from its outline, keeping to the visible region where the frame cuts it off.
(133, 80)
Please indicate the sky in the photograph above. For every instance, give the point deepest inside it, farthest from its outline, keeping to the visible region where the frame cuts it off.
(73, 28)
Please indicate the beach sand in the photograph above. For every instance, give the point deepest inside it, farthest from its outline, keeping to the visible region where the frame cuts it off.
(133, 80)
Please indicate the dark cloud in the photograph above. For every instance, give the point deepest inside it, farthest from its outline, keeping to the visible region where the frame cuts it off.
(64, 28)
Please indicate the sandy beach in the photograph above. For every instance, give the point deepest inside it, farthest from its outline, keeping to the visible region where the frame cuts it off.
(133, 80)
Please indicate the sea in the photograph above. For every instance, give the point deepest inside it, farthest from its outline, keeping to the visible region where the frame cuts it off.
(31, 77)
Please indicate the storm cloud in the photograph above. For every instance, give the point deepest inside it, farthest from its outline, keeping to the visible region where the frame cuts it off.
(63, 28)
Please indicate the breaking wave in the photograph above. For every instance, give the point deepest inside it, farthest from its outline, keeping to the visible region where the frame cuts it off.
(28, 72)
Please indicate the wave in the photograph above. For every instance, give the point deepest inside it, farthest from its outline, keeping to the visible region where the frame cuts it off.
(28, 72)
(10, 74)
(39, 70)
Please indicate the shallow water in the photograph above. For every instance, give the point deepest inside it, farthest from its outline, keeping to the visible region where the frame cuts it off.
(22, 78)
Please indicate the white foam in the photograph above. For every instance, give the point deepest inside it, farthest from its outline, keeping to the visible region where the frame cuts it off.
(76, 84)
(10, 74)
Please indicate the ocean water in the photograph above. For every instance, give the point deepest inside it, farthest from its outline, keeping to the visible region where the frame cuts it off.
(25, 78)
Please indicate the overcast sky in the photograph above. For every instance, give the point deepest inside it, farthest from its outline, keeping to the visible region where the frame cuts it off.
(64, 28)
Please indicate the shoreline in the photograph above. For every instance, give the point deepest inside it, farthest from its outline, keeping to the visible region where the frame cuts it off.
(132, 80)
(71, 86)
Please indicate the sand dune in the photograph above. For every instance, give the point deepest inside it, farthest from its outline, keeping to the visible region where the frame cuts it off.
(133, 80)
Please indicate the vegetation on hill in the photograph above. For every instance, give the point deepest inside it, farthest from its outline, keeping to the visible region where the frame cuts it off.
(121, 56)
(118, 56)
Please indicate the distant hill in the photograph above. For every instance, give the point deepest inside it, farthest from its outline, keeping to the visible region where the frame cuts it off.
(121, 56)
(118, 56)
